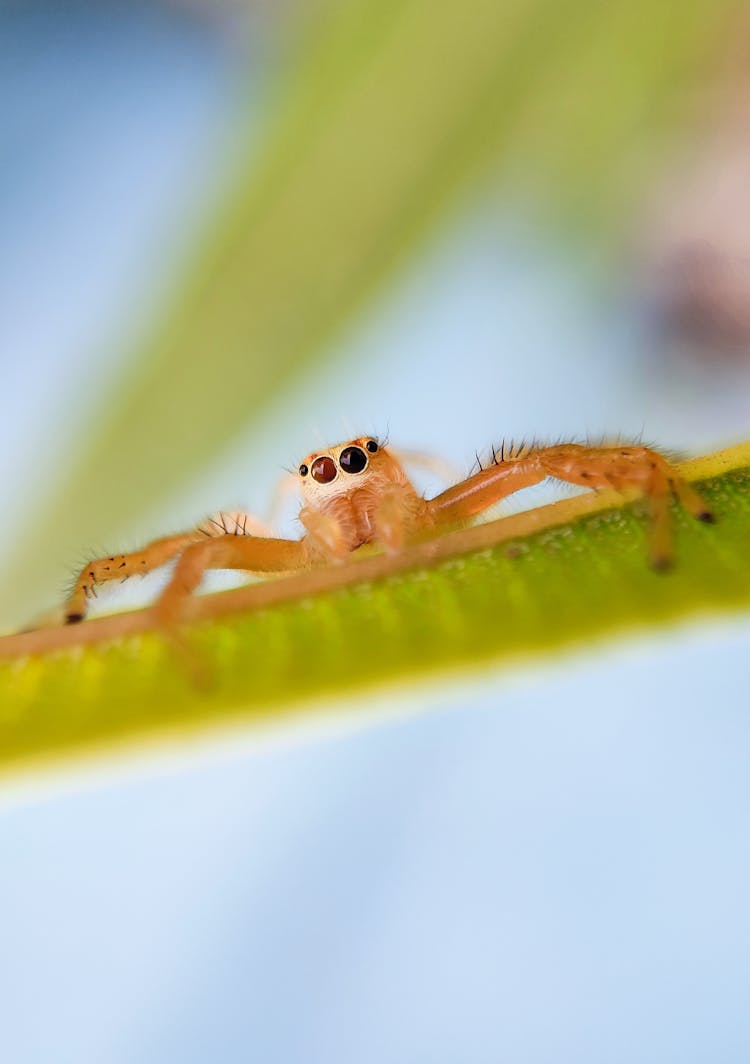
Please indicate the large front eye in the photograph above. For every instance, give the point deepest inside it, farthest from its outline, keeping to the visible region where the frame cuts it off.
(324, 470)
(352, 459)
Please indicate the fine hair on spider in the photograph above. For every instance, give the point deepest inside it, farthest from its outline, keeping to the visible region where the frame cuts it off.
(358, 492)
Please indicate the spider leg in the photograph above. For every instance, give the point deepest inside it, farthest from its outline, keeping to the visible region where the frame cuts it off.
(234, 523)
(624, 469)
(621, 468)
(152, 556)
(121, 566)
(660, 541)
(484, 489)
(446, 471)
(327, 537)
(255, 554)
(398, 513)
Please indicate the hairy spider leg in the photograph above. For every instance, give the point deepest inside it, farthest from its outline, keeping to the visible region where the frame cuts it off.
(431, 463)
(621, 468)
(121, 566)
(152, 556)
(254, 554)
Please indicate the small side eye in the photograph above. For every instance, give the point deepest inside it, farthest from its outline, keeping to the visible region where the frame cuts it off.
(371, 446)
(303, 470)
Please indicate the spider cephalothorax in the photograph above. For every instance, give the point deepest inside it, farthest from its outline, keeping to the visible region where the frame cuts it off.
(357, 492)
(349, 494)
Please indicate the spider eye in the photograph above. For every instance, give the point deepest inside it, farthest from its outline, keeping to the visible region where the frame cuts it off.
(303, 470)
(324, 470)
(371, 446)
(352, 459)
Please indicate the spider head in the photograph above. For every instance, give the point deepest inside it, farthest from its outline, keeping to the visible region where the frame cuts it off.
(345, 468)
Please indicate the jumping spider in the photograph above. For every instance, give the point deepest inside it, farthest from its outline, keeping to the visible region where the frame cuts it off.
(357, 492)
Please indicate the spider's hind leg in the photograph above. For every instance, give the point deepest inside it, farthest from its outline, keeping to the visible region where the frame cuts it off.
(626, 468)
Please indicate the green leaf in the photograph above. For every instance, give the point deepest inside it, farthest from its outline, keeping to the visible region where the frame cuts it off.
(393, 115)
(552, 577)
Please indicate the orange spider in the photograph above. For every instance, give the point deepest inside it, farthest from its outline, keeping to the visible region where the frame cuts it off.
(357, 492)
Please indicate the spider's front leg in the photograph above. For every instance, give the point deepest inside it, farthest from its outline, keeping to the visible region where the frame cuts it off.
(254, 554)
(120, 567)
(622, 468)
(327, 539)
(152, 556)
(398, 514)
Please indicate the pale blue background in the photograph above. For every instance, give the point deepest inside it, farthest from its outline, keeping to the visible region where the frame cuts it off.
(551, 869)
(548, 865)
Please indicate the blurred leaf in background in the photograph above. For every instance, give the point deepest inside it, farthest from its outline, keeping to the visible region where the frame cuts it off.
(389, 117)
